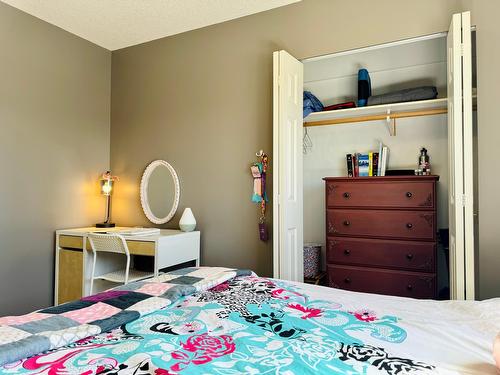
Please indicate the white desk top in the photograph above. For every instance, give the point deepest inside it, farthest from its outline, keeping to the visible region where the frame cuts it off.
(80, 232)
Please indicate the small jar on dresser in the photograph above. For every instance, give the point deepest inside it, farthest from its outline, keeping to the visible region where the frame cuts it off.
(381, 234)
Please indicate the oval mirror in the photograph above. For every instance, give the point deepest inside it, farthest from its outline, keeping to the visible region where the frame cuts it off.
(160, 192)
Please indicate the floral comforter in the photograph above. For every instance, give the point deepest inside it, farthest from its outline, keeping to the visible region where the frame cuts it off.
(253, 325)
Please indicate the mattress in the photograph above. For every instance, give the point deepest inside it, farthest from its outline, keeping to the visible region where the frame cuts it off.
(252, 325)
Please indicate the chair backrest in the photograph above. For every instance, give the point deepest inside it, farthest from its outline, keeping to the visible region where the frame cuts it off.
(111, 243)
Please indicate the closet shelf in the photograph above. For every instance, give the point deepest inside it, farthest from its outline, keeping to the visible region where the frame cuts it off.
(378, 112)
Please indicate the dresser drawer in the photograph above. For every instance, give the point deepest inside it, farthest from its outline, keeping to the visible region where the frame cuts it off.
(390, 194)
(418, 225)
(71, 242)
(410, 255)
(369, 280)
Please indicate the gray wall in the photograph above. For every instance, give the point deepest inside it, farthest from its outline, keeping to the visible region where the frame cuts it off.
(202, 100)
(54, 141)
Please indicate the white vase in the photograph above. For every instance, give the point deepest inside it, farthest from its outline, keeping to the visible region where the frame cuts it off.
(187, 222)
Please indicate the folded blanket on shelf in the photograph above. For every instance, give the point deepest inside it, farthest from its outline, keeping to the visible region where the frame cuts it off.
(55, 327)
(407, 95)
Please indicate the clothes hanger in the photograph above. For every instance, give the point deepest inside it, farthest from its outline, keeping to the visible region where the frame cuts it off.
(307, 142)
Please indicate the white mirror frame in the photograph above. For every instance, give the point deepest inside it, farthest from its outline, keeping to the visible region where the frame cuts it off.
(144, 192)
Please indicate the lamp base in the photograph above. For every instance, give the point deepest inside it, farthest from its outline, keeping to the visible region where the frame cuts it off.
(105, 225)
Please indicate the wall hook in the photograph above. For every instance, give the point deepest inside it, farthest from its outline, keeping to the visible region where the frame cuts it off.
(259, 153)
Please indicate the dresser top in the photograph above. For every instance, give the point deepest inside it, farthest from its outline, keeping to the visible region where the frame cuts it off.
(383, 178)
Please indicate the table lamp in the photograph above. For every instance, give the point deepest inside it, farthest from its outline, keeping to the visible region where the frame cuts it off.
(106, 181)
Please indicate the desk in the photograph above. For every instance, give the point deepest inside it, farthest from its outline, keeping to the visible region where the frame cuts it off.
(73, 266)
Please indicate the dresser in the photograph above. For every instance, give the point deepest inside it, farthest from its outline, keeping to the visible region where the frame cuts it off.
(381, 234)
(73, 269)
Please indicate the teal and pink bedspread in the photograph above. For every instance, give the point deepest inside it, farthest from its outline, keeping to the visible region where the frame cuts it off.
(221, 321)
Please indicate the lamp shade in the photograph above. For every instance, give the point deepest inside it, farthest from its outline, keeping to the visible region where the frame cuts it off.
(106, 182)
(106, 187)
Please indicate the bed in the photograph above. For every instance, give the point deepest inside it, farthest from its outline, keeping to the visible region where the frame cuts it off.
(221, 321)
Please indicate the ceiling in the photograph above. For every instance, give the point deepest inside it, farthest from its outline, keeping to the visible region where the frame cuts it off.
(115, 24)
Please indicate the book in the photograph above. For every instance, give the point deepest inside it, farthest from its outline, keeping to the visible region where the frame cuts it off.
(380, 145)
(350, 169)
(376, 164)
(363, 165)
(340, 106)
(385, 159)
(368, 164)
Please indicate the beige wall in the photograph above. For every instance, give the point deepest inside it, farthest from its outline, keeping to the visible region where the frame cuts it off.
(485, 17)
(202, 100)
(54, 141)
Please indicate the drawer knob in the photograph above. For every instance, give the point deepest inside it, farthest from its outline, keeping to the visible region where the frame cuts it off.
(347, 195)
(409, 225)
(347, 251)
(347, 223)
(409, 287)
(347, 280)
(409, 194)
(409, 256)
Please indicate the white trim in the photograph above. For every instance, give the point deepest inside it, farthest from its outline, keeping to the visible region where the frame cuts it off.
(468, 158)
(377, 46)
(144, 192)
(276, 170)
(442, 34)
(455, 151)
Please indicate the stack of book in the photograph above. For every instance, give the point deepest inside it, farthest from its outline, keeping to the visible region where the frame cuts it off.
(368, 164)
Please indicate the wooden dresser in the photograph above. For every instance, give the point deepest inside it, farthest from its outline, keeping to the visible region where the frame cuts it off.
(381, 234)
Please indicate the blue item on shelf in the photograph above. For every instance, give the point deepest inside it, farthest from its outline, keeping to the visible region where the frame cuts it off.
(311, 104)
(364, 87)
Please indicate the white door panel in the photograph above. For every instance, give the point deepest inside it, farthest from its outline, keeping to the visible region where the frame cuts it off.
(457, 265)
(287, 168)
(460, 158)
(468, 147)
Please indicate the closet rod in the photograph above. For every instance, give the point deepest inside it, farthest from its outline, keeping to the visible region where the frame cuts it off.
(425, 112)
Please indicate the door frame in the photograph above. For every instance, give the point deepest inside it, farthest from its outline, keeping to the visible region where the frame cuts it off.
(277, 178)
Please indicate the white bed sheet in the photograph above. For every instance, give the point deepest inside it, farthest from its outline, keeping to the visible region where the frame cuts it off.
(455, 336)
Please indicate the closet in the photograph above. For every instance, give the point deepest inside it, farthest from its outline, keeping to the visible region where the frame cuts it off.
(307, 150)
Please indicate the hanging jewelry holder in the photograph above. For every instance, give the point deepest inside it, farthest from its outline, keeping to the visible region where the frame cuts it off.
(259, 172)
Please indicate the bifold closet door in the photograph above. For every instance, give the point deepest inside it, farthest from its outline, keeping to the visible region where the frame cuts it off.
(288, 84)
(460, 148)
